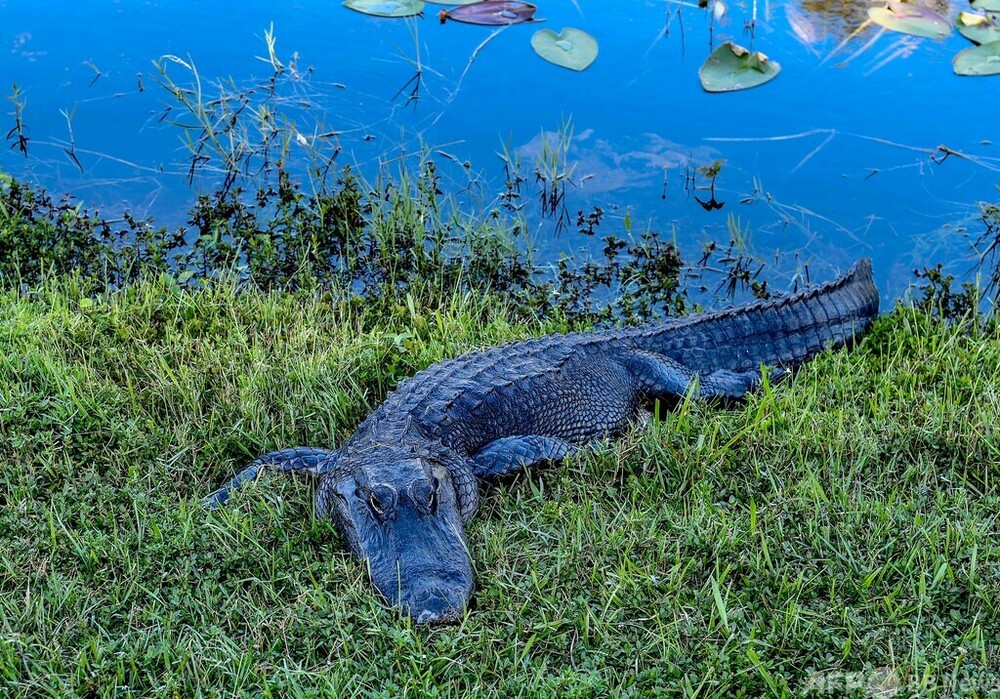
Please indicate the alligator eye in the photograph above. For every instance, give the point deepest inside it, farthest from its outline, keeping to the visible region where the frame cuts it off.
(375, 504)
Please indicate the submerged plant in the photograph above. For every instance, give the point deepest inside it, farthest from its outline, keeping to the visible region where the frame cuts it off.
(242, 135)
(710, 172)
(18, 135)
(987, 244)
(552, 171)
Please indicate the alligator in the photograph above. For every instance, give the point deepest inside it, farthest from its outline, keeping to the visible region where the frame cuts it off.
(402, 487)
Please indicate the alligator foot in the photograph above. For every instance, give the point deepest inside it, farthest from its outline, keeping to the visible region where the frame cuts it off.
(507, 456)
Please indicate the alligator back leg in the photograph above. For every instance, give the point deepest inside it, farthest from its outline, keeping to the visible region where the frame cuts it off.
(299, 460)
(509, 455)
(661, 378)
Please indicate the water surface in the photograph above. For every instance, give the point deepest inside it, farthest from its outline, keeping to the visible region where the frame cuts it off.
(833, 160)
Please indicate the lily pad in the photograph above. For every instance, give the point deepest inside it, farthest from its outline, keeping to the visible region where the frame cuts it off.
(978, 60)
(910, 19)
(732, 67)
(978, 29)
(386, 8)
(986, 5)
(571, 48)
(491, 12)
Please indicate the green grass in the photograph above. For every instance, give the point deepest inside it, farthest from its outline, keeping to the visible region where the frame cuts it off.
(835, 533)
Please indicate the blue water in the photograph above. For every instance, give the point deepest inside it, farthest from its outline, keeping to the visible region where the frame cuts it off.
(837, 148)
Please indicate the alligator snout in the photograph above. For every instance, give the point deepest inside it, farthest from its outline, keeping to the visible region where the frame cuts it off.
(438, 601)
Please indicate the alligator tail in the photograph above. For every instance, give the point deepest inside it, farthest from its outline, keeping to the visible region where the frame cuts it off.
(782, 332)
(298, 460)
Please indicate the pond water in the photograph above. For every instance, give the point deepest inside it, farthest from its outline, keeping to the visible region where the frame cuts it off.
(836, 158)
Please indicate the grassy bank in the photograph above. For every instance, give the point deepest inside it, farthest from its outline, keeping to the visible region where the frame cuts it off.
(835, 534)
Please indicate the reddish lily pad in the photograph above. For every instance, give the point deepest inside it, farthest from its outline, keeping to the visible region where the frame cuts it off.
(731, 67)
(979, 29)
(910, 19)
(491, 13)
(978, 60)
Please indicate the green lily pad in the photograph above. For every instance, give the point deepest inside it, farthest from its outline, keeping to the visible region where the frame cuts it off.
(731, 67)
(986, 5)
(910, 19)
(386, 8)
(978, 60)
(571, 48)
(978, 29)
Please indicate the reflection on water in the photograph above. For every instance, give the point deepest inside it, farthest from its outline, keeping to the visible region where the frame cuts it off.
(603, 165)
(824, 19)
(817, 21)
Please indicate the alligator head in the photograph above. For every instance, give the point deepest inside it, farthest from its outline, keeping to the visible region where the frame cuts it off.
(401, 511)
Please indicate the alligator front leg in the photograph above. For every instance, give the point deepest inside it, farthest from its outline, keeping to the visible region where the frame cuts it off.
(302, 460)
(660, 377)
(509, 455)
